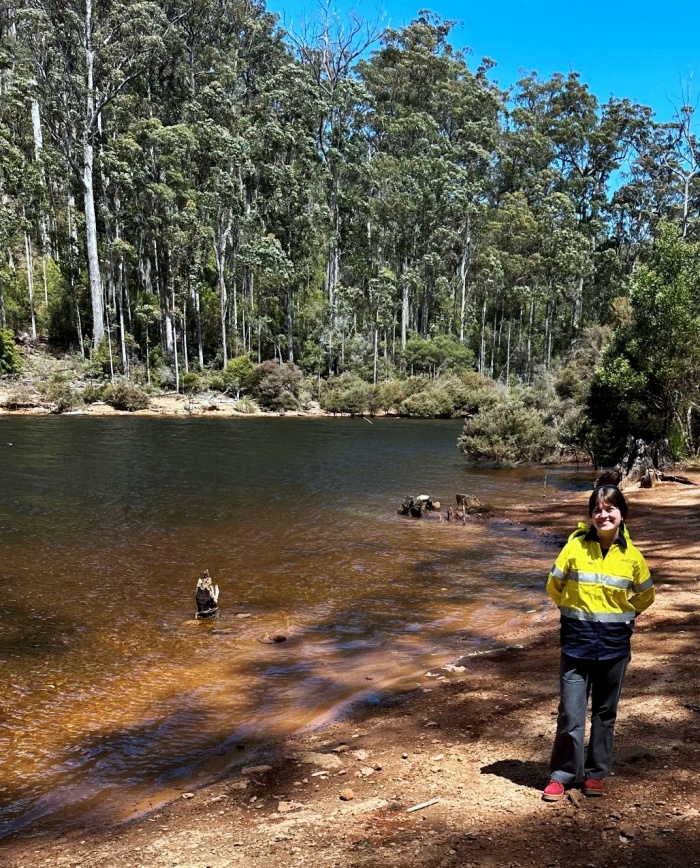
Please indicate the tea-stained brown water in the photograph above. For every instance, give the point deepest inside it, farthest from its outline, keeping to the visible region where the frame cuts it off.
(113, 695)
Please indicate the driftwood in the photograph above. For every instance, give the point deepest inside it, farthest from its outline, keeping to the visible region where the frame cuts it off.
(207, 597)
(470, 505)
(669, 477)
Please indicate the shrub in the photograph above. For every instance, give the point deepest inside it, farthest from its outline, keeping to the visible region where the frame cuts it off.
(275, 386)
(236, 374)
(246, 405)
(10, 360)
(21, 398)
(60, 395)
(92, 393)
(507, 434)
(346, 394)
(190, 383)
(387, 396)
(124, 395)
(432, 403)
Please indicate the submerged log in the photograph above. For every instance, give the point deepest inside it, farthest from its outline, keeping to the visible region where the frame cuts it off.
(206, 596)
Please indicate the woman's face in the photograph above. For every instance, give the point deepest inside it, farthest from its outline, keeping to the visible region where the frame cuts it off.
(606, 519)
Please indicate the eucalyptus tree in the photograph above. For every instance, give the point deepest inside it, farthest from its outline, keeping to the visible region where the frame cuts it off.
(432, 128)
(329, 48)
(85, 54)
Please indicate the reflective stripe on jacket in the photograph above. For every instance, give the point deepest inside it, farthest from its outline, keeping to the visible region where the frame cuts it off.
(588, 587)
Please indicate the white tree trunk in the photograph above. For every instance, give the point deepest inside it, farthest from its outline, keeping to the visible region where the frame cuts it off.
(95, 278)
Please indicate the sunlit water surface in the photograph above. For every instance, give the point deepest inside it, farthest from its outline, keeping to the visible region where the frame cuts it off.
(112, 694)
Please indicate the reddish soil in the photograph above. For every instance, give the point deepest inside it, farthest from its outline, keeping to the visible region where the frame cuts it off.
(477, 739)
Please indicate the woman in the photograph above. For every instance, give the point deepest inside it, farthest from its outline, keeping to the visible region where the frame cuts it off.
(601, 582)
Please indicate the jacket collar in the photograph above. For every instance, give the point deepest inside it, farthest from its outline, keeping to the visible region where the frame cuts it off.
(591, 534)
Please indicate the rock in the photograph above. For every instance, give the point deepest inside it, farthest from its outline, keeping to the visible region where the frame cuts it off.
(286, 807)
(366, 771)
(360, 754)
(627, 831)
(322, 760)
(347, 795)
(255, 770)
(188, 795)
(576, 797)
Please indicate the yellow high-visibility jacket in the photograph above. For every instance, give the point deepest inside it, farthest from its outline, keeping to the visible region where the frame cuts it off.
(589, 587)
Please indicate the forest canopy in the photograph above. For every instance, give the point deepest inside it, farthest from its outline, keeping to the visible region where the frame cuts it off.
(187, 185)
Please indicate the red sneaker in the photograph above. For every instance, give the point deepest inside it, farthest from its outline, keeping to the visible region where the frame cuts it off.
(553, 791)
(593, 787)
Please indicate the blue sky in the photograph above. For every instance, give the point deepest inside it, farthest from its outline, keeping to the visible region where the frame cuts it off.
(643, 51)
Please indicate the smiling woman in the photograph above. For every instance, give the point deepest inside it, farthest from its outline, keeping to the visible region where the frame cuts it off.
(601, 582)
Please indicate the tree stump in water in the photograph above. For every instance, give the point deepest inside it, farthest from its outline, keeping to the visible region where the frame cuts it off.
(206, 596)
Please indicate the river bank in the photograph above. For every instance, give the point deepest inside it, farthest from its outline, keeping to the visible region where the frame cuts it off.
(475, 736)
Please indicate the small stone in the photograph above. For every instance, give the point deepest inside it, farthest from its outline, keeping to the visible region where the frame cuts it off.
(576, 797)
(347, 795)
(255, 770)
(432, 723)
(404, 756)
(188, 795)
(627, 830)
(366, 771)
(360, 754)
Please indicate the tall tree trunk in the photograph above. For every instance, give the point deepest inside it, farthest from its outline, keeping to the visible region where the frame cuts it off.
(29, 261)
(98, 313)
(404, 304)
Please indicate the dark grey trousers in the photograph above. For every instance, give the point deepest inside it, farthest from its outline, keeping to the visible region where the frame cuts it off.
(579, 679)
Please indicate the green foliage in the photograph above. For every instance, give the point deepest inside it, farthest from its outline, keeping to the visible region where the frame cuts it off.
(60, 394)
(346, 394)
(507, 434)
(436, 355)
(275, 386)
(649, 377)
(236, 374)
(246, 405)
(124, 395)
(92, 393)
(10, 359)
(450, 396)
(190, 383)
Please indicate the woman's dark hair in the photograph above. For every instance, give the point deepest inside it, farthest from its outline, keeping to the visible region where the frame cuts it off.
(610, 495)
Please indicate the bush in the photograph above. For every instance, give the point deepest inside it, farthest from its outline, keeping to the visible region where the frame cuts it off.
(507, 434)
(61, 395)
(10, 360)
(386, 396)
(92, 393)
(346, 394)
(246, 405)
(190, 383)
(236, 374)
(124, 395)
(21, 398)
(432, 403)
(275, 386)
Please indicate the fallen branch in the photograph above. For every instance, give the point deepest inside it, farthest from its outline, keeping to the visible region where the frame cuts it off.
(422, 805)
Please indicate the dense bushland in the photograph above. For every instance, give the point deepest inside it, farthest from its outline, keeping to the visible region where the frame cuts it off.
(194, 199)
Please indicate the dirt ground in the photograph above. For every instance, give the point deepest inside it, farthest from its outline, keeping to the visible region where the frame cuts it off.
(475, 740)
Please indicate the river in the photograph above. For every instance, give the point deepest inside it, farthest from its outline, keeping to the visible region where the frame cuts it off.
(114, 697)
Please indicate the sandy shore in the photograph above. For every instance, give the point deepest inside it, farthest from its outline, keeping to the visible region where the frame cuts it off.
(172, 404)
(473, 740)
